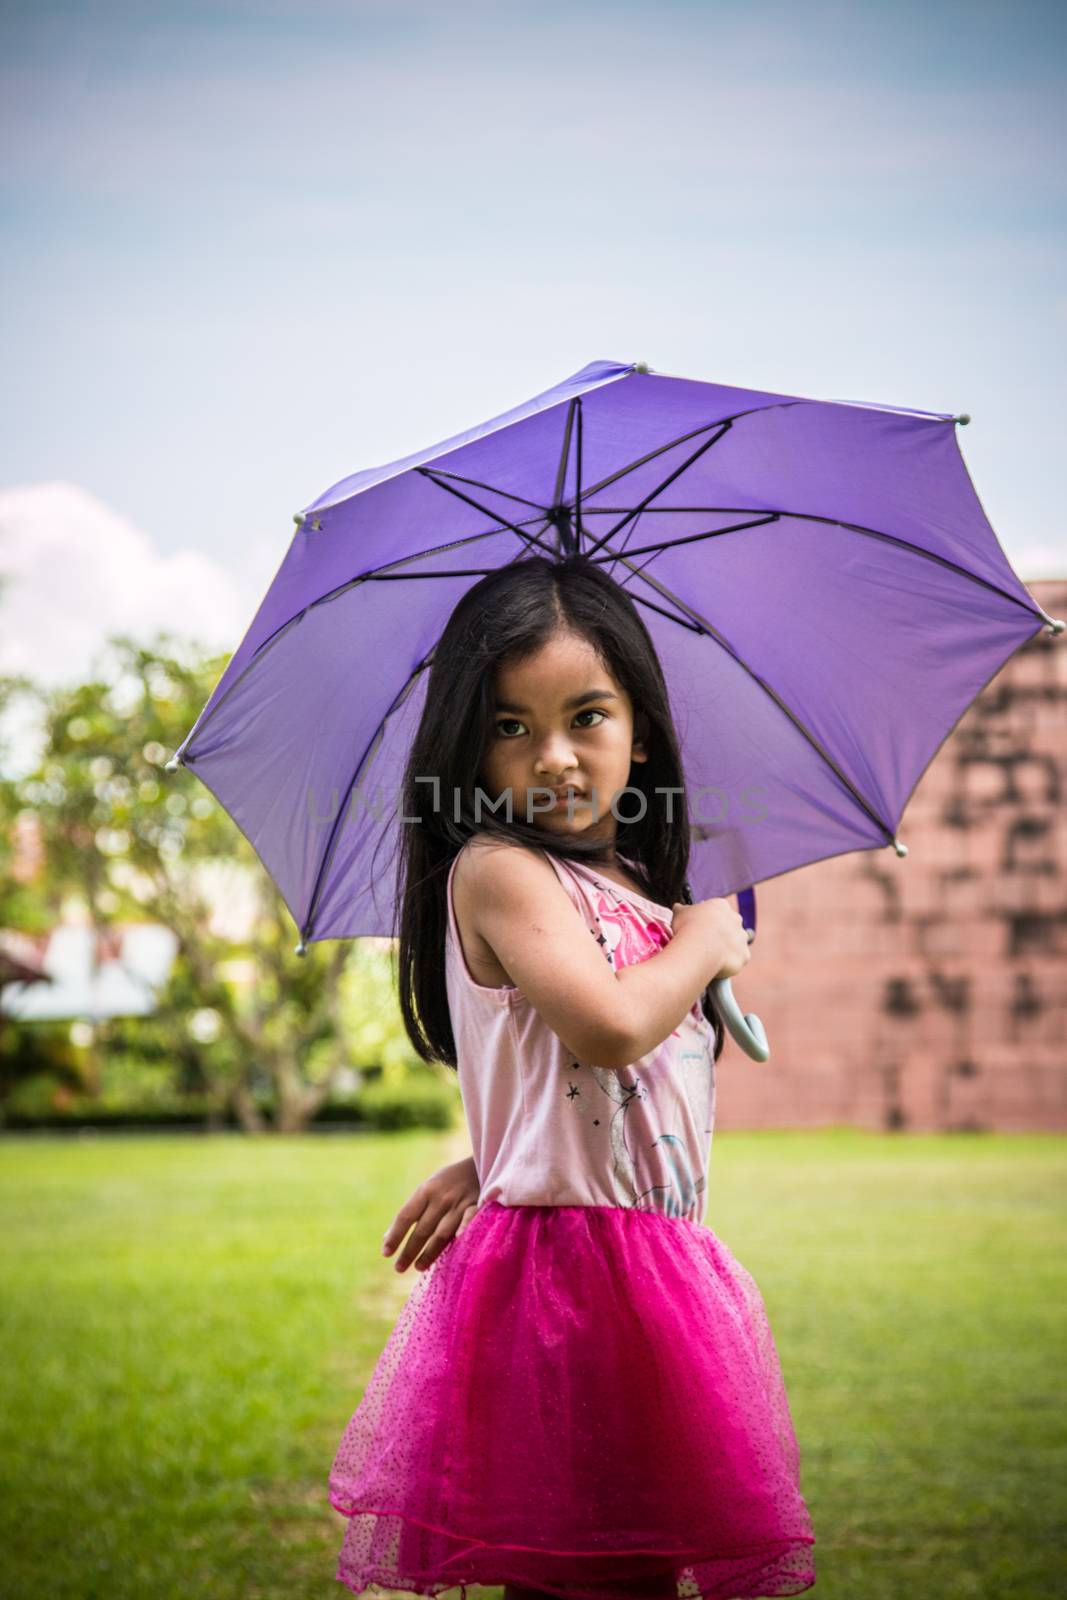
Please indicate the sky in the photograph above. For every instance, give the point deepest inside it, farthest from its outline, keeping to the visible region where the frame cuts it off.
(248, 249)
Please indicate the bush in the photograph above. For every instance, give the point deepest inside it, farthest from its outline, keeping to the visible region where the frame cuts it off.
(424, 1102)
(420, 1103)
(83, 1112)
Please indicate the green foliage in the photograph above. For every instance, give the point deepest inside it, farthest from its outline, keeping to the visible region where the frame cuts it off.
(276, 1039)
(44, 1102)
(371, 1014)
(21, 906)
(425, 1103)
(38, 1060)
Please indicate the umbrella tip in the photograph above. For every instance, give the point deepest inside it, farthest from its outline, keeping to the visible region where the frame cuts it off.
(640, 366)
(301, 949)
(901, 849)
(173, 764)
(1054, 624)
(963, 418)
(298, 518)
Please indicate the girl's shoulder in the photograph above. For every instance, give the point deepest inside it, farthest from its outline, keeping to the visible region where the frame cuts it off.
(480, 850)
(483, 868)
(486, 864)
(479, 843)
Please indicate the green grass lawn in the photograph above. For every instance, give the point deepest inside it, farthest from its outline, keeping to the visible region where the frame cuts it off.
(187, 1324)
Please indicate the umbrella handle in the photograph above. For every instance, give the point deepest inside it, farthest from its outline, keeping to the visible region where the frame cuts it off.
(745, 1028)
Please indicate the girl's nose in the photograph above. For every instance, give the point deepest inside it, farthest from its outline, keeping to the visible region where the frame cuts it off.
(555, 758)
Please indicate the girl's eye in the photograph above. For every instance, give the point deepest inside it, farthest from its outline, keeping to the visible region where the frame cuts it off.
(514, 722)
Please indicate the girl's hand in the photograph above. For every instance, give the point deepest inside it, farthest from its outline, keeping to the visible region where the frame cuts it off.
(720, 927)
(439, 1209)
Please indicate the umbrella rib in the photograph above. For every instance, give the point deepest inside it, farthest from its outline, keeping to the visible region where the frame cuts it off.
(707, 628)
(476, 483)
(578, 476)
(690, 538)
(627, 548)
(439, 572)
(906, 544)
(664, 511)
(423, 555)
(723, 422)
(833, 522)
(672, 616)
(636, 510)
(561, 470)
(372, 745)
(334, 594)
(661, 449)
(514, 526)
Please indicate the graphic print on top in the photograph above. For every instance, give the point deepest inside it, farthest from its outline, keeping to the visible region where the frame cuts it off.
(638, 1137)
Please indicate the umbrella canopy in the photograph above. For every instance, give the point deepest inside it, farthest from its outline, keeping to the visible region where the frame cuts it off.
(822, 585)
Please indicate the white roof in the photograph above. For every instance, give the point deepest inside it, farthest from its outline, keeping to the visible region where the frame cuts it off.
(132, 963)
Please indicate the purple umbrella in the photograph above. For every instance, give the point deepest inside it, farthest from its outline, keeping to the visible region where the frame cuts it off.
(820, 572)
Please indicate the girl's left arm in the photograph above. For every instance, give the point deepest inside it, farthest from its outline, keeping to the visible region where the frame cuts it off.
(436, 1211)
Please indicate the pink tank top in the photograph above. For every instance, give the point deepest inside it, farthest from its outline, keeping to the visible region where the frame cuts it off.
(547, 1129)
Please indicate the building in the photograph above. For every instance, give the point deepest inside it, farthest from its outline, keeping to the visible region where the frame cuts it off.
(929, 992)
(93, 976)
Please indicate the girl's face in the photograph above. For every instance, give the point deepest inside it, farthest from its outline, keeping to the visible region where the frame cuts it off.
(560, 718)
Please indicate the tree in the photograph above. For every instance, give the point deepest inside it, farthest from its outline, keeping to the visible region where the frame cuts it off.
(133, 842)
(23, 908)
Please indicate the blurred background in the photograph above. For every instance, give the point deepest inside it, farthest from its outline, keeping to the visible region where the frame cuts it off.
(250, 248)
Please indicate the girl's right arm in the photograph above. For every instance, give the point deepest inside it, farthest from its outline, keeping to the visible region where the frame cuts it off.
(539, 936)
(655, 986)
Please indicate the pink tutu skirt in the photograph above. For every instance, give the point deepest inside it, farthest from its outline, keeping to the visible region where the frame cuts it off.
(584, 1400)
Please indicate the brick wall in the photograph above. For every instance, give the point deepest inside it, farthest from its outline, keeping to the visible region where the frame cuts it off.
(929, 992)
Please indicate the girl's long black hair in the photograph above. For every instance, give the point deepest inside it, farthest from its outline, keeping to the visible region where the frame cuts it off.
(506, 617)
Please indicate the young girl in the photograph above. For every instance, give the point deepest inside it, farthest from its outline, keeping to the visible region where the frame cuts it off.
(582, 1396)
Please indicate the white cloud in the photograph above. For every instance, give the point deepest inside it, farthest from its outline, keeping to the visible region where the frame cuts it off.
(73, 571)
(1034, 562)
